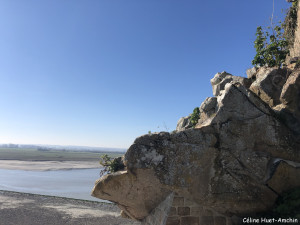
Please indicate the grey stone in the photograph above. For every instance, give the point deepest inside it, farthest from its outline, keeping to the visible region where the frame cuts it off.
(221, 79)
(269, 83)
(183, 123)
(251, 73)
(228, 163)
(294, 60)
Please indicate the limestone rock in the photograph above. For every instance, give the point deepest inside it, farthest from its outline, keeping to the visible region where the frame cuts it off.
(294, 60)
(183, 123)
(236, 161)
(251, 73)
(290, 95)
(285, 177)
(136, 194)
(207, 110)
(221, 79)
(269, 83)
(295, 49)
(289, 109)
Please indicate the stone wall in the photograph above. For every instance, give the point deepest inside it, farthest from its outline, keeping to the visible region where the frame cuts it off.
(178, 210)
(186, 212)
(159, 215)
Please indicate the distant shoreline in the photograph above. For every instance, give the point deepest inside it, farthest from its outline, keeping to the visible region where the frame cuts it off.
(47, 165)
(39, 155)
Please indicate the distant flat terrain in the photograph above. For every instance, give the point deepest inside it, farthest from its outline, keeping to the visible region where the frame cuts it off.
(35, 154)
(47, 165)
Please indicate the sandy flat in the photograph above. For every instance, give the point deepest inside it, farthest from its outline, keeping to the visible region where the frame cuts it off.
(29, 209)
(47, 165)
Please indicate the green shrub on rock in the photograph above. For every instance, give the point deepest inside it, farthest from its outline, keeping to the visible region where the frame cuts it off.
(110, 164)
(195, 116)
(271, 47)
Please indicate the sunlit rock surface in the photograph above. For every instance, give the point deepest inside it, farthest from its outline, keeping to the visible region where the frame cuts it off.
(243, 152)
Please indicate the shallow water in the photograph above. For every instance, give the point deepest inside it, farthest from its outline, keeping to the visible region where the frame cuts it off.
(76, 183)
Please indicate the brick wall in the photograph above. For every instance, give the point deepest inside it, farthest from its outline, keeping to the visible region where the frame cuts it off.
(186, 212)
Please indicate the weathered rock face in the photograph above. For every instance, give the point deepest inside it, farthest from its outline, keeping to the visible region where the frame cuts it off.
(233, 162)
(221, 79)
(295, 51)
(136, 194)
(207, 110)
(183, 123)
(268, 84)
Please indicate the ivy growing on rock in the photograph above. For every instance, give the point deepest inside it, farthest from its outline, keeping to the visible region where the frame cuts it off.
(271, 47)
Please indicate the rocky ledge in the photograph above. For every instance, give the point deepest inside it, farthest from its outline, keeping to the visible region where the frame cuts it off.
(241, 155)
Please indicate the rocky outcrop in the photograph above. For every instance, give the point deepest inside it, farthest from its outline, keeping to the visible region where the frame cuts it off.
(184, 123)
(268, 84)
(136, 194)
(236, 161)
(207, 110)
(221, 79)
(295, 50)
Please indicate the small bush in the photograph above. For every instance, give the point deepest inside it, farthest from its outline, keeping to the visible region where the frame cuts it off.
(110, 164)
(195, 116)
(271, 47)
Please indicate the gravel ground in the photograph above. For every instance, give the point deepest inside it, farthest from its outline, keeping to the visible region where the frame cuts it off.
(29, 209)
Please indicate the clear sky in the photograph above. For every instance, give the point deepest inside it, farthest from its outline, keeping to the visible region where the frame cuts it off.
(103, 72)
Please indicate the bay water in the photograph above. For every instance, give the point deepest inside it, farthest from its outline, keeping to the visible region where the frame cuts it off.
(75, 183)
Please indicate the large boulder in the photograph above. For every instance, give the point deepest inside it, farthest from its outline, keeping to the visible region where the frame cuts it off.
(219, 81)
(251, 73)
(207, 110)
(238, 159)
(184, 123)
(290, 95)
(268, 84)
(289, 109)
(136, 194)
(224, 165)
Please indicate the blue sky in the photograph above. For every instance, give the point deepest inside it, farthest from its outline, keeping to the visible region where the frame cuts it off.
(103, 72)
